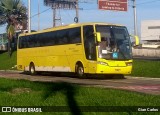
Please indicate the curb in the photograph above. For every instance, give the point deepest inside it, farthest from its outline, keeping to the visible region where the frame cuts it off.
(16, 71)
(132, 77)
(128, 77)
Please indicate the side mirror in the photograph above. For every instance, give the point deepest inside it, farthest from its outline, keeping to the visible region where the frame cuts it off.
(136, 39)
(98, 36)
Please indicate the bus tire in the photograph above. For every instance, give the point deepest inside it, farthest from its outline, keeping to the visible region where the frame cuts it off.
(32, 70)
(80, 70)
(118, 76)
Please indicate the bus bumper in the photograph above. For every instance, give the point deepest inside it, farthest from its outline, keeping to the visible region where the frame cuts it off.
(103, 69)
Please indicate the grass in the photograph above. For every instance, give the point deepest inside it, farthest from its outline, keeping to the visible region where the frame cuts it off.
(141, 68)
(144, 68)
(26, 93)
(7, 62)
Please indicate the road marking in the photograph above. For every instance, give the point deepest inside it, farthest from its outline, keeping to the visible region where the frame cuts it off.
(142, 78)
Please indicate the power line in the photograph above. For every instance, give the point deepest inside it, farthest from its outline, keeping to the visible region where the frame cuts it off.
(68, 16)
(40, 12)
(96, 9)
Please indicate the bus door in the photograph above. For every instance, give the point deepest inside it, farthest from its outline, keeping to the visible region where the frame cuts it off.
(90, 48)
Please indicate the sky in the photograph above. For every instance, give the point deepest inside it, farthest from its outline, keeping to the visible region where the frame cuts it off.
(89, 12)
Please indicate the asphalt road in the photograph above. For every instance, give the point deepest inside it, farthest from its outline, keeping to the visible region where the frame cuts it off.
(137, 84)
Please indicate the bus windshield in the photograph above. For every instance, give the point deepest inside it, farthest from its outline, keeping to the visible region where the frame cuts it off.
(115, 43)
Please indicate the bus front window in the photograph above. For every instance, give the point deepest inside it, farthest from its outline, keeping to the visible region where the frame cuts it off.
(115, 43)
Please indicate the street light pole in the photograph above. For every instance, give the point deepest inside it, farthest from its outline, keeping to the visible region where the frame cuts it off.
(135, 18)
(29, 16)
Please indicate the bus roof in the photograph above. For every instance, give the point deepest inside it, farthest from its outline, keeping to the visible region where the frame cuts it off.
(68, 26)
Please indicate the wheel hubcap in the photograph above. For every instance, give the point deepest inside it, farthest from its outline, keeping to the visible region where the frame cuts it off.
(80, 71)
(32, 70)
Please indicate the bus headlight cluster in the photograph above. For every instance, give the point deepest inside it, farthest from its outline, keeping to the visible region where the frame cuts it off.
(102, 63)
(128, 63)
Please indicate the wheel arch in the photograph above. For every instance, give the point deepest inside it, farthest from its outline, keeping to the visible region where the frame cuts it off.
(32, 65)
(78, 63)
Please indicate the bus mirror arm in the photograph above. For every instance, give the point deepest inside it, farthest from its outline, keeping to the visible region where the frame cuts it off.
(98, 36)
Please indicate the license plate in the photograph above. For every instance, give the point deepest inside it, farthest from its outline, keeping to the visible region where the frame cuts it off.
(117, 69)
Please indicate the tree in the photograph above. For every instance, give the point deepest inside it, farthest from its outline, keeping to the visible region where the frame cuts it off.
(12, 13)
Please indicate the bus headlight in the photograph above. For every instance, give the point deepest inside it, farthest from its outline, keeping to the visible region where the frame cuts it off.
(102, 63)
(128, 63)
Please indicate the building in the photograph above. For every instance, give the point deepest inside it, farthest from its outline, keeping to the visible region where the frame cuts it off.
(3, 42)
(150, 31)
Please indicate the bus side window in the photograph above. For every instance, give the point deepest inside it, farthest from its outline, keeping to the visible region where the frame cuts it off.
(20, 43)
(25, 42)
(65, 37)
(46, 39)
(89, 42)
(74, 35)
(31, 41)
(62, 37)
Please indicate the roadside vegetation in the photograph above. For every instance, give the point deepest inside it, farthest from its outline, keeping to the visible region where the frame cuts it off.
(141, 68)
(12, 13)
(7, 62)
(145, 68)
(26, 93)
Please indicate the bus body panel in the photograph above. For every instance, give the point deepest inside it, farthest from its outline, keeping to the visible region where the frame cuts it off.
(44, 58)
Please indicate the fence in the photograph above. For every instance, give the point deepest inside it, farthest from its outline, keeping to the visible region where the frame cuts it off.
(146, 52)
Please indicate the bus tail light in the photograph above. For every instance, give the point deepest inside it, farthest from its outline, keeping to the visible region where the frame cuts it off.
(128, 63)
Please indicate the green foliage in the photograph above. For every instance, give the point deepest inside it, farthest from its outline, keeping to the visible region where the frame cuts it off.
(12, 11)
(7, 62)
(26, 93)
(145, 68)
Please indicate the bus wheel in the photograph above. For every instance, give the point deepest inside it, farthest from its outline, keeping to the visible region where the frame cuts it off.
(32, 69)
(80, 70)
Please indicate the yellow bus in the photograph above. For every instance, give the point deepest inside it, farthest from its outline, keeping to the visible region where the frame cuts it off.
(84, 48)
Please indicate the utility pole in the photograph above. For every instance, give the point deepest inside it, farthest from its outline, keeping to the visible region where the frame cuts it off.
(135, 18)
(63, 4)
(56, 15)
(77, 13)
(38, 15)
(2, 39)
(29, 16)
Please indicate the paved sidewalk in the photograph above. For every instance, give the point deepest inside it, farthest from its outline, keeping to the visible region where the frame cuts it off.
(137, 84)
